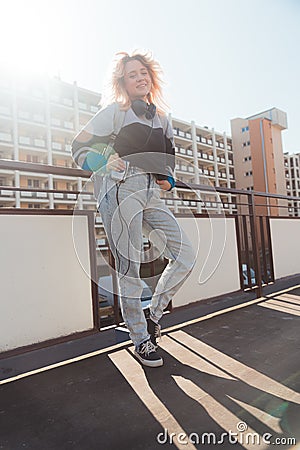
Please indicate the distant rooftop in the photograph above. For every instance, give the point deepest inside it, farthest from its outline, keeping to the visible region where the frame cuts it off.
(277, 117)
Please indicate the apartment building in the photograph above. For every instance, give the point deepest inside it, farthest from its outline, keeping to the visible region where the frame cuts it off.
(203, 156)
(292, 179)
(258, 154)
(38, 120)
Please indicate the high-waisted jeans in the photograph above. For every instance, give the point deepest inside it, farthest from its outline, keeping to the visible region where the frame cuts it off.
(140, 210)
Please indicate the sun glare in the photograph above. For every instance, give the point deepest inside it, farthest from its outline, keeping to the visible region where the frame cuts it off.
(29, 40)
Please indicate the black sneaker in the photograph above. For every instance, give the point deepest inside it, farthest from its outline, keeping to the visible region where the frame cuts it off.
(153, 328)
(147, 354)
(154, 331)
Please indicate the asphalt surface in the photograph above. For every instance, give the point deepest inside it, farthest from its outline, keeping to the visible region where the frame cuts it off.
(222, 374)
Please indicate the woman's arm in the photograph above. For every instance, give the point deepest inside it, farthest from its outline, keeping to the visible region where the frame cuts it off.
(167, 182)
(89, 147)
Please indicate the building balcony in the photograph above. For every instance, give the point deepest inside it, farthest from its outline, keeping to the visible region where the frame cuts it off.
(87, 109)
(185, 169)
(182, 134)
(61, 102)
(5, 111)
(58, 147)
(179, 151)
(6, 137)
(6, 193)
(32, 142)
(32, 119)
(62, 124)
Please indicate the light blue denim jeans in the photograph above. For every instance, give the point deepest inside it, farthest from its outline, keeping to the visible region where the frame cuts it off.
(140, 210)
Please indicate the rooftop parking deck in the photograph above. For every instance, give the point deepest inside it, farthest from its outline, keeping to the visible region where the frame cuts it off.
(230, 366)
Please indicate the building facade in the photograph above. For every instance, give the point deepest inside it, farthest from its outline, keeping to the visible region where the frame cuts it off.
(258, 154)
(292, 179)
(38, 120)
(203, 156)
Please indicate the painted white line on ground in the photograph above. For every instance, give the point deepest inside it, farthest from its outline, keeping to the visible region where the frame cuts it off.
(289, 298)
(185, 356)
(241, 371)
(282, 303)
(219, 413)
(135, 376)
(283, 291)
(280, 309)
(271, 421)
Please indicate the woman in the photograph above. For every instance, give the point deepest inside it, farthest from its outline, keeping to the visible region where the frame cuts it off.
(135, 124)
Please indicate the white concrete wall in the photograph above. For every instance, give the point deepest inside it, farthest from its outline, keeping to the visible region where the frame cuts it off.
(285, 235)
(216, 271)
(45, 293)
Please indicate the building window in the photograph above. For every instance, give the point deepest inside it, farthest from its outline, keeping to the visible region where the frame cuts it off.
(33, 183)
(32, 158)
(248, 174)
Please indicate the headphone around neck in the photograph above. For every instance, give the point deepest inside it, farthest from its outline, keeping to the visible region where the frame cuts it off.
(140, 108)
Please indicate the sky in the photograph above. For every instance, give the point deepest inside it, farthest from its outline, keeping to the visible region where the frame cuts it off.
(221, 58)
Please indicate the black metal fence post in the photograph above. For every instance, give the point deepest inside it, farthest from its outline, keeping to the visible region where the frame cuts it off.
(255, 243)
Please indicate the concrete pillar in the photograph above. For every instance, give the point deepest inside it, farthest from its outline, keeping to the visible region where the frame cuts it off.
(15, 120)
(195, 158)
(17, 185)
(48, 123)
(216, 170)
(51, 195)
(76, 106)
(79, 198)
(214, 148)
(229, 196)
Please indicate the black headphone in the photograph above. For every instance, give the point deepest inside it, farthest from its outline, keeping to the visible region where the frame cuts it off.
(140, 107)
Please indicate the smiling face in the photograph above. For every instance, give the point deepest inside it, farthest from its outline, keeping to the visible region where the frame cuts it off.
(137, 80)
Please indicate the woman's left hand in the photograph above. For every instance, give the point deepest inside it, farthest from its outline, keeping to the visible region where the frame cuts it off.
(164, 184)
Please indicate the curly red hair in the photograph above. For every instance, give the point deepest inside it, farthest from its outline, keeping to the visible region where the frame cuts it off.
(115, 90)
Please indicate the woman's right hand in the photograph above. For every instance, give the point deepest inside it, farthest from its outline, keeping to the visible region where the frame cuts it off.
(114, 162)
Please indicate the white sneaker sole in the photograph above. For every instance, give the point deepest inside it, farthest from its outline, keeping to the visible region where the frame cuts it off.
(148, 363)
